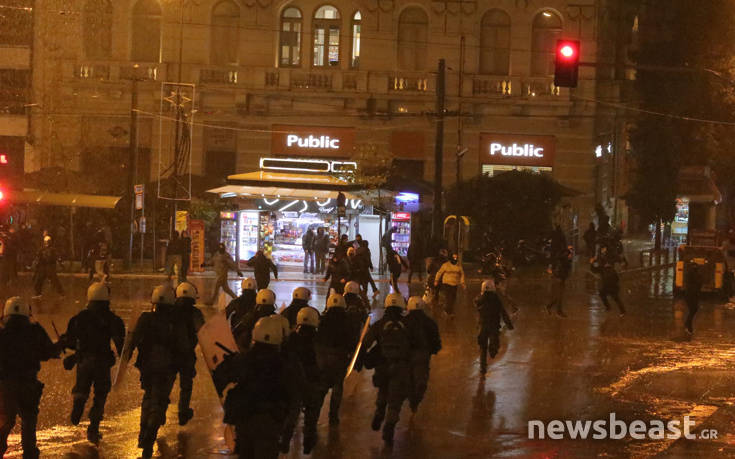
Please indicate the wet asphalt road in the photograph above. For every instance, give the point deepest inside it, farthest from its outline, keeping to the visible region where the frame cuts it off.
(582, 367)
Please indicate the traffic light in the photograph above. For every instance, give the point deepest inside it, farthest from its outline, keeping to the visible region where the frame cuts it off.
(566, 65)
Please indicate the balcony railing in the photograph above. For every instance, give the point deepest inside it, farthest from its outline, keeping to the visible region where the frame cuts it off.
(492, 86)
(409, 82)
(140, 72)
(535, 87)
(92, 71)
(311, 80)
(218, 76)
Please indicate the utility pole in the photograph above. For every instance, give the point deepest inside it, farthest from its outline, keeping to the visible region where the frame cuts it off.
(132, 166)
(439, 148)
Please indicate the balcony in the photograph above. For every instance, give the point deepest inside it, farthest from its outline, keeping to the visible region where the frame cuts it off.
(226, 76)
(92, 71)
(141, 71)
(311, 80)
(489, 86)
(539, 87)
(409, 82)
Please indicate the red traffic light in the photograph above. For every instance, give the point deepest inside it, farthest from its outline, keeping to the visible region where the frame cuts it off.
(566, 65)
(3, 158)
(567, 50)
(2, 195)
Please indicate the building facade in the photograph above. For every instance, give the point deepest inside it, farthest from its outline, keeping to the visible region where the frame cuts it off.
(16, 44)
(275, 79)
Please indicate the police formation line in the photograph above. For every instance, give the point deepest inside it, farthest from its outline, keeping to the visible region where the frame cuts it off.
(283, 365)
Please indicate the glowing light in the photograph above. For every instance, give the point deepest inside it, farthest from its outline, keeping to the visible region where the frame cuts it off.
(270, 203)
(3, 159)
(567, 51)
(547, 14)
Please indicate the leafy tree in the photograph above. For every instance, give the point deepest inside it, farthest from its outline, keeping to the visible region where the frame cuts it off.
(682, 48)
(513, 205)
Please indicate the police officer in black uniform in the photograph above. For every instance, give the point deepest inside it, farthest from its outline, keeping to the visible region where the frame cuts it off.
(388, 350)
(300, 349)
(299, 299)
(89, 333)
(23, 346)
(161, 342)
(335, 344)
(266, 390)
(193, 319)
(425, 342)
(265, 306)
(243, 304)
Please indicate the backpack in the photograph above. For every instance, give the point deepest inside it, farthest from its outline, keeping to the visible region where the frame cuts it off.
(395, 342)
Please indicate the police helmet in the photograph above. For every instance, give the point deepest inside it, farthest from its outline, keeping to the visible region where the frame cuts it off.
(352, 287)
(98, 291)
(301, 293)
(163, 294)
(186, 290)
(336, 300)
(308, 316)
(265, 296)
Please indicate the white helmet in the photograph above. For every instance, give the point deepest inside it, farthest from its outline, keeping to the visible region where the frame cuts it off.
(163, 294)
(248, 284)
(308, 316)
(336, 300)
(265, 296)
(269, 330)
(488, 286)
(186, 290)
(416, 303)
(99, 291)
(15, 306)
(395, 299)
(352, 287)
(301, 293)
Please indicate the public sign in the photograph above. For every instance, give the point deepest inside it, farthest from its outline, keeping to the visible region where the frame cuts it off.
(312, 141)
(517, 149)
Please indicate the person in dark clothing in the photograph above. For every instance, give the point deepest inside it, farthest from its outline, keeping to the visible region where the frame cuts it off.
(359, 267)
(355, 299)
(386, 242)
(560, 269)
(335, 345)
(321, 249)
(265, 306)
(338, 273)
(299, 299)
(267, 388)
(161, 339)
(192, 319)
(491, 311)
(241, 306)
(307, 243)
(89, 333)
(185, 254)
(425, 342)
(416, 260)
(396, 264)
(692, 291)
(262, 267)
(364, 251)
(99, 259)
(590, 240)
(46, 268)
(604, 265)
(558, 240)
(9, 258)
(342, 245)
(301, 348)
(387, 348)
(23, 346)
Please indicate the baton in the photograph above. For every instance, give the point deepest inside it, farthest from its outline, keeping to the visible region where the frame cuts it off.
(224, 348)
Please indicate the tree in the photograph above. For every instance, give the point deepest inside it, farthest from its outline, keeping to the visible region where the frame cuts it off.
(513, 205)
(682, 47)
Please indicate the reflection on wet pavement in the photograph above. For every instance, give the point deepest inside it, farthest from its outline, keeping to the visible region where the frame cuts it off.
(583, 367)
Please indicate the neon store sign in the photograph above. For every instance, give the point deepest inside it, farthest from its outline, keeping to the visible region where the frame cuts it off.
(322, 141)
(527, 150)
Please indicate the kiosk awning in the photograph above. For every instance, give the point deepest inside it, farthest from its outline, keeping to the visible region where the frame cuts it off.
(44, 198)
(288, 185)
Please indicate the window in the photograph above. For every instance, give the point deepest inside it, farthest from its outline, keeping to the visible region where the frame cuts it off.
(495, 43)
(97, 29)
(546, 30)
(219, 164)
(146, 31)
(409, 168)
(290, 44)
(225, 35)
(325, 33)
(413, 29)
(355, 52)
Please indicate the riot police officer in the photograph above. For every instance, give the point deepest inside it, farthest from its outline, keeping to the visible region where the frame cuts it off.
(89, 333)
(425, 342)
(192, 320)
(299, 299)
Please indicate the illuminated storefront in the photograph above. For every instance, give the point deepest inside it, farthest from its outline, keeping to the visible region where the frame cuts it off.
(505, 152)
